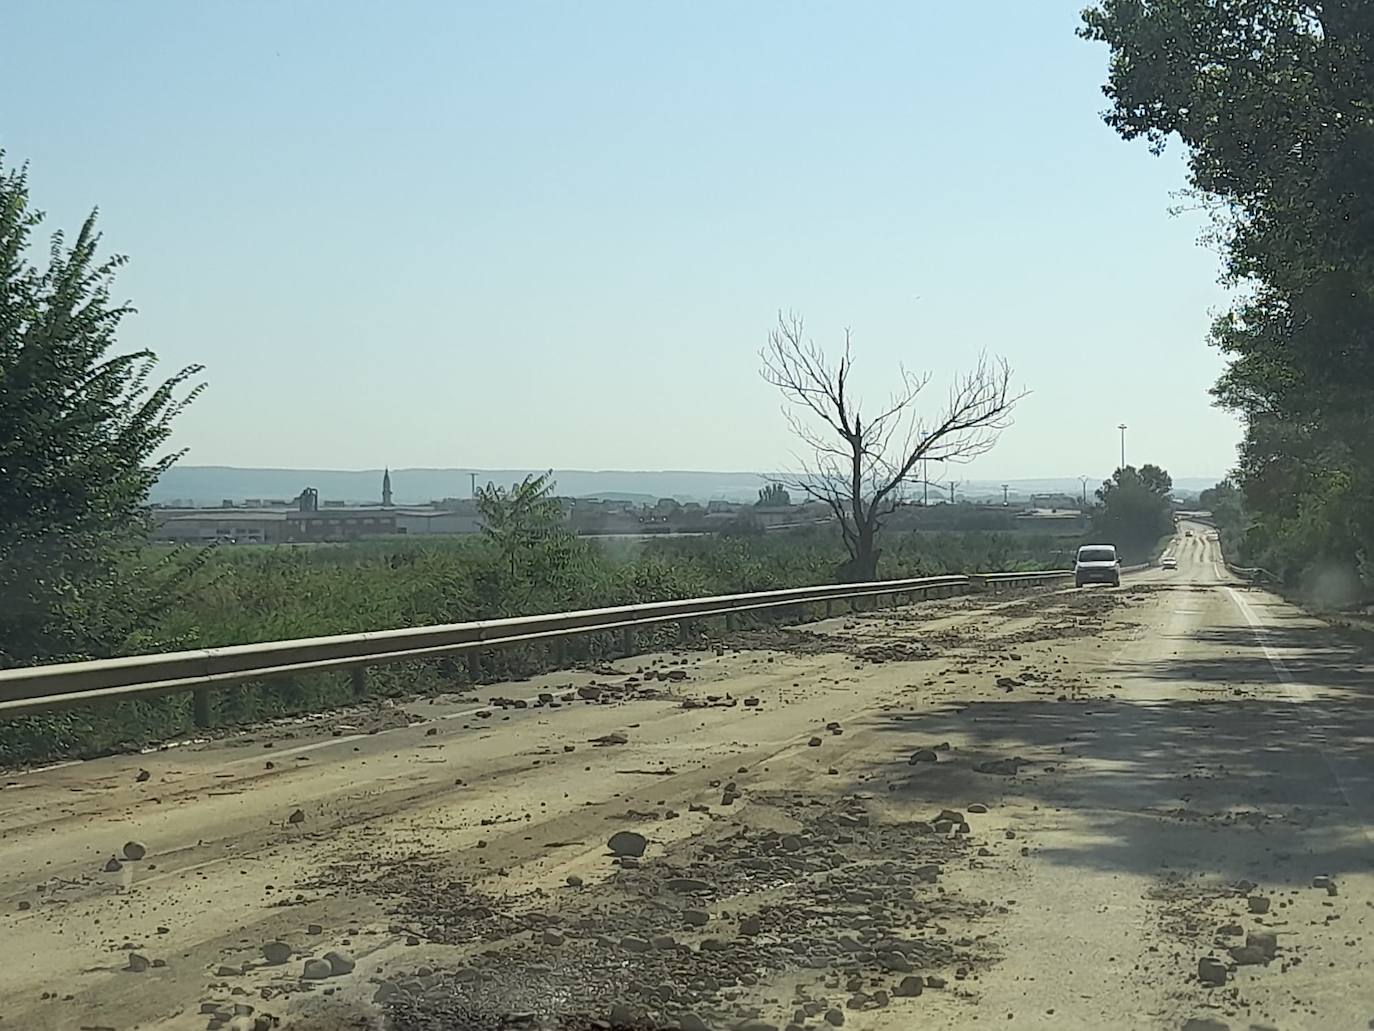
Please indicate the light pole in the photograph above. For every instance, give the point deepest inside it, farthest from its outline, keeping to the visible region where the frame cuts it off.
(1122, 428)
(1004, 495)
(1083, 504)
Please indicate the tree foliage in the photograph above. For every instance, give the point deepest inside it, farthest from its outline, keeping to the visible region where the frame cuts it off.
(526, 526)
(1274, 101)
(1134, 511)
(861, 463)
(83, 429)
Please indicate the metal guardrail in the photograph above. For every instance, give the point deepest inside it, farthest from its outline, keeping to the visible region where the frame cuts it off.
(43, 688)
(994, 580)
(1256, 575)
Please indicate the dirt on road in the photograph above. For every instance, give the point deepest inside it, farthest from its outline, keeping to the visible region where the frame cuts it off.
(1143, 807)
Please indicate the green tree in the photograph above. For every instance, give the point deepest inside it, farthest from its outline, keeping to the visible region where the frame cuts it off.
(1227, 505)
(775, 495)
(83, 430)
(542, 558)
(1272, 100)
(1134, 511)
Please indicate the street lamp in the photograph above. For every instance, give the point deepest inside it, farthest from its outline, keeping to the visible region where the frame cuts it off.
(1122, 428)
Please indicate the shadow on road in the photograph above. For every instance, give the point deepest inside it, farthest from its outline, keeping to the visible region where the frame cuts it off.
(1232, 785)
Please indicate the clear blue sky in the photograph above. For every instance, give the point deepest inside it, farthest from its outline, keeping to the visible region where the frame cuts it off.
(515, 234)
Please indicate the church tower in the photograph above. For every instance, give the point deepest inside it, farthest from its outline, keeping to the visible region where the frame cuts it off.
(386, 489)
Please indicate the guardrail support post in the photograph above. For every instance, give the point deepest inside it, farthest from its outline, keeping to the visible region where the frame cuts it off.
(684, 632)
(731, 623)
(200, 707)
(359, 677)
(560, 652)
(627, 640)
(829, 608)
(474, 668)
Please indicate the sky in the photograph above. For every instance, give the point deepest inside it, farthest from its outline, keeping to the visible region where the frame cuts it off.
(523, 235)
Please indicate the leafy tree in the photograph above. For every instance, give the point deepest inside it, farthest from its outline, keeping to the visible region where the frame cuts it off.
(542, 557)
(1271, 98)
(1134, 510)
(1227, 505)
(775, 495)
(83, 429)
(862, 462)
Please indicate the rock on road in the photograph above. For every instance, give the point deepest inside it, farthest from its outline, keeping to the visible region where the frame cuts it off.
(1148, 807)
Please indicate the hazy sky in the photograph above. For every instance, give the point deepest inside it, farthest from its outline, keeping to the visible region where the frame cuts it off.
(516, 234)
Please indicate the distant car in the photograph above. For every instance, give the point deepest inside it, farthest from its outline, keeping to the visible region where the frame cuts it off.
(1187, 533)
(1169, 562)
(1097, 563)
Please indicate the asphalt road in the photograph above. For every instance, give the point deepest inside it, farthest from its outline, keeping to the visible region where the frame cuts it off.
(1151, 758)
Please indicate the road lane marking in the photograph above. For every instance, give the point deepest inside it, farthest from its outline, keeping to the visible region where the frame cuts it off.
(1261, 633)
(1304, 692)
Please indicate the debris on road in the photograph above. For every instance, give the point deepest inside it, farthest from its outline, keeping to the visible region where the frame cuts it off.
(627, 843)
(276, 953)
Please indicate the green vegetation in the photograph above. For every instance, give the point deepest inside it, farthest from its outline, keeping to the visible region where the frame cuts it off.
(1134, 511)
(1272, 102)
(82, 435)
(248, 594)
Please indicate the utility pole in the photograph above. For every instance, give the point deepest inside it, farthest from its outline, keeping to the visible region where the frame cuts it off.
(952, 485)
(1122, 428)
(1084, 503)
(474, 484)
(925, 483)
(1004, 495)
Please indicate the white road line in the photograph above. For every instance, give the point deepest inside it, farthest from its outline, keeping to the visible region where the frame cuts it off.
(1261, 633)
(1304, 692)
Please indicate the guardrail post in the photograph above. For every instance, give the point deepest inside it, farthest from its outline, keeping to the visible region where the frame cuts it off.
(829, 608)
(200, 707)
(627, 640)
(560, 652)
(359, 677)
(474, 668)
(684, 632)
(731, 622)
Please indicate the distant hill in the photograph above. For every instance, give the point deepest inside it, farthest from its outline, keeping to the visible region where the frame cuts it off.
(211, 484)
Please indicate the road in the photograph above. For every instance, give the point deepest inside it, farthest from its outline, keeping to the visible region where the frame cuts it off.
(1136, 780)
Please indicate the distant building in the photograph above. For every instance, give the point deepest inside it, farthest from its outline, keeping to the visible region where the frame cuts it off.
(386, 489)
(1054, 502)
(207, 526)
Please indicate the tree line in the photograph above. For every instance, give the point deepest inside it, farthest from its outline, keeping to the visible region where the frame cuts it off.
(1272, 102)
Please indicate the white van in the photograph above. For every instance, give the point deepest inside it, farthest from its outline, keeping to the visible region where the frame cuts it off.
(1097, 563)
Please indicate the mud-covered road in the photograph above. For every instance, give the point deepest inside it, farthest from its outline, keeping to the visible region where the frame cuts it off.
(1150, 806)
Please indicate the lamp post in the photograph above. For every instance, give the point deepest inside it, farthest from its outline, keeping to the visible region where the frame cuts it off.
(1122, 428)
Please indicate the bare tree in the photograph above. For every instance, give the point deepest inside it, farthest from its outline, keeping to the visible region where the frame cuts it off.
(859, 465)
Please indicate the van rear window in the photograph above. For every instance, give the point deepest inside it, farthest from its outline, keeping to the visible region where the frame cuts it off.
(1097, 555)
